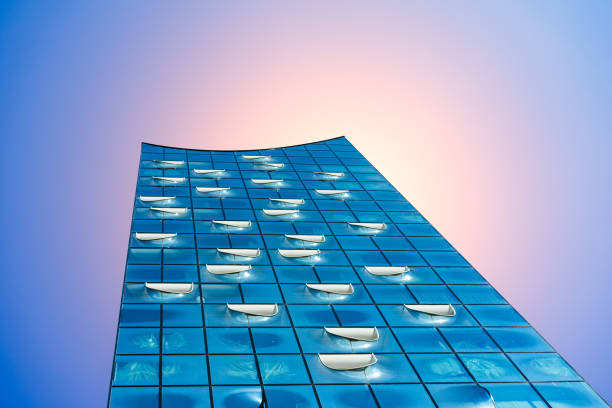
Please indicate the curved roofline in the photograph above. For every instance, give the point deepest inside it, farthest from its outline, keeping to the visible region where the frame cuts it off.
(241, 150)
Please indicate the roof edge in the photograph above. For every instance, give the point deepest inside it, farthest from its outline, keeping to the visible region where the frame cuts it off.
(242, 150)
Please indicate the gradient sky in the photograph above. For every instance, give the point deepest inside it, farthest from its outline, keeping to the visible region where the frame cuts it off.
(492, 118)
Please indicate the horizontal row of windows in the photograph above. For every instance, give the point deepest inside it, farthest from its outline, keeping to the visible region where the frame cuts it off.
(247, 172)
(196, 340)
(281, 228)
(350, 242)
(259, 192)
(295, 369)
(391, 208)
(159, 212)
(171, 256)
(322, 315)
(237, 183)
(505, 395)
(348, 159)
(298, 293)
(301, 274)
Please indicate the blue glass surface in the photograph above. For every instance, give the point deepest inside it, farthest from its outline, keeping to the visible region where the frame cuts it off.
(544, 367)
(282, 369)
(298, 396)
(439, 368)
(421, 340)
(570, 394)
(184, 370)
(274, 340)
(228, 340)
(423, 360)
(233, 369)
(468, 339)
(183, 341)
(136, 370)
(486, 367)
(402, 395)
(186, 397)
(345, 396)
(138, 341)
(134, 397)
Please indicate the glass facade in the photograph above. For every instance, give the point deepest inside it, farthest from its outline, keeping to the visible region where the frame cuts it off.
(299, 277)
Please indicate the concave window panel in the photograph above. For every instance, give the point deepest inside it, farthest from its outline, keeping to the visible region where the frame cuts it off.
(344, 362)
(254, 157)
(170, 210)
(170, 179)
(178, 288)
(336, 288)
(173, 162)
(387, 270)
(227, 269)
(211, 189)
(276, 212)
(293, 201)
(207, 171)
(308, 238)
(245, 252)
(298, 253)
(152, 236)
(354, 333)
(370, 225)
(329, 173)
(434, 310)
(149, 199)
(255, 309)
(331, 192)
(237, 224)
(266, 181)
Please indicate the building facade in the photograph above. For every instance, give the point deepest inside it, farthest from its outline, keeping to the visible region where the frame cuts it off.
(299, 277)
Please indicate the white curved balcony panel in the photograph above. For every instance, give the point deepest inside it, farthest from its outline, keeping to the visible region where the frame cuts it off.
(173, 162)
(435, 310)
(170, 179)
(370, 225)
(247, 253)
(227, 269)
(293, 201)
(254, 309)
(169, 210)
(274, 211)
(298, 253)
(386, 270)
(329, 173)
(177, 288)
(211, 189)
(152, 236)
(274, 165)
(345, 362)
(207, 171)
(237, 224)
(254, 157)
(266, 181)
(148, 199)
(355, 333)
(335, 288)
(308, 238)
(331, 192)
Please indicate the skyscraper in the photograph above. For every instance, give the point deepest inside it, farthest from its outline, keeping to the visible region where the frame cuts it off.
(299, 277)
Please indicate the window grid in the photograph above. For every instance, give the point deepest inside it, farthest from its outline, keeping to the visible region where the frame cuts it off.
(342, 162)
